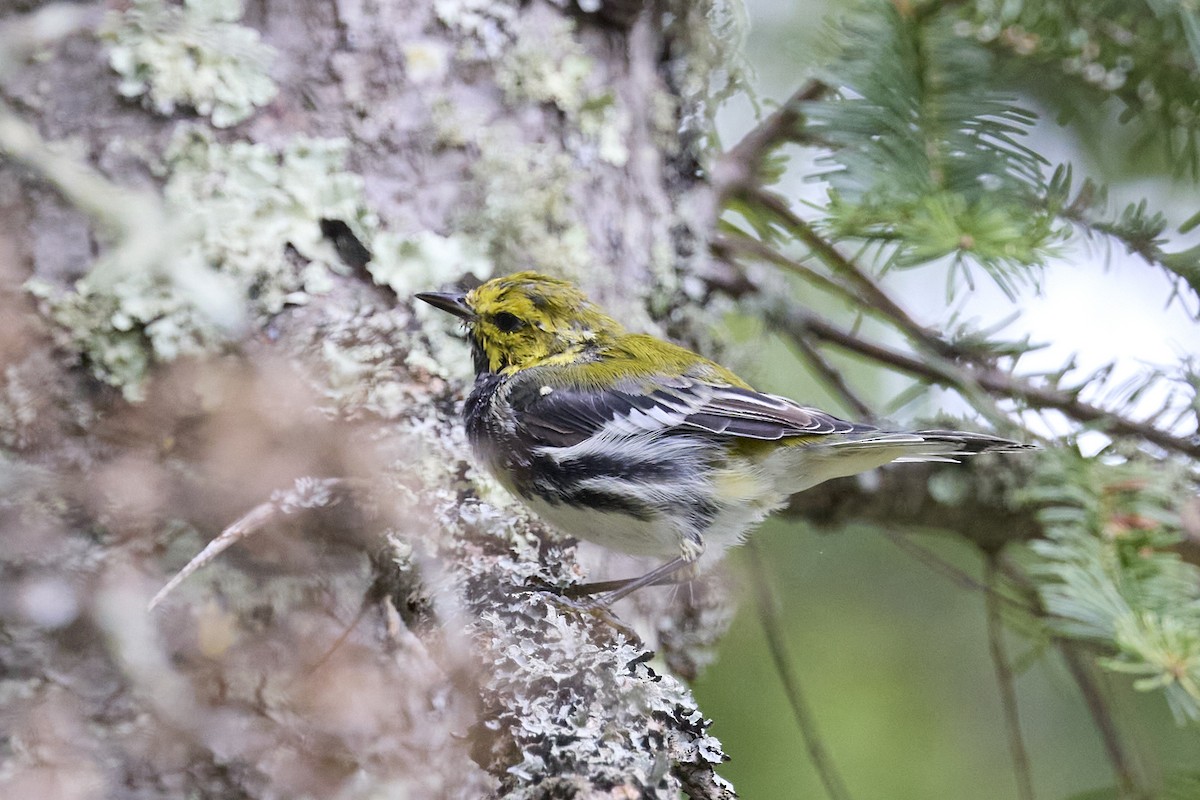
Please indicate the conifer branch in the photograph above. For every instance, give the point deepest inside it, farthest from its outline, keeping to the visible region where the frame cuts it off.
(864, 292)
(870, 292)
(738, 169)
(797, 323)
(1136, 227)
(884, 309)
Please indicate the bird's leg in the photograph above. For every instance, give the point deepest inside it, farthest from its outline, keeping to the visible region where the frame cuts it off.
(595, 587)
(611, 591)
(601, 587)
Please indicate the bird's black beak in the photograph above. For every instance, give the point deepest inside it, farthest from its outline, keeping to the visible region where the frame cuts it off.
(451, 302)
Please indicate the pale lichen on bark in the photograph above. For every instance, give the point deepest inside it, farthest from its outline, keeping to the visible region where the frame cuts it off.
(458, 136)
(194, 55)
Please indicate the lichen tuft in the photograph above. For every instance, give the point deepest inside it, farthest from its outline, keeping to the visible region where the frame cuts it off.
(194, 55)
(248, 243)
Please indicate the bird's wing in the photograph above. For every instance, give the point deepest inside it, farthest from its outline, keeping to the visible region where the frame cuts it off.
(559, 416)
(746, 413)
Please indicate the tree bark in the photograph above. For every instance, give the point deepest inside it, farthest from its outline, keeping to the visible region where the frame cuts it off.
(218, 351)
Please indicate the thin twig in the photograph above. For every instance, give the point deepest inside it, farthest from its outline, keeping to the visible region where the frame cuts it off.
(871, 293)
(798, 323)
(738, 167)
(737, 246)
(834, 380)
(1004, 681)
(306, 493)
(949, 571)
(1123, 760)
(867, 293)
(768, 615)
(1148, 250)
(248, 524)
(976, 382)
(364, 607)
(886, 311)
(954, 374)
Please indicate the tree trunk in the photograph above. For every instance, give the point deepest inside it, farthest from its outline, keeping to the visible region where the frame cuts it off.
(191, 328)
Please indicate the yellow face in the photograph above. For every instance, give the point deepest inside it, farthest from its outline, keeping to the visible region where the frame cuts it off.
(526, 319)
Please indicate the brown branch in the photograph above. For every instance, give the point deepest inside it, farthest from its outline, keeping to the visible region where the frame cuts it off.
(883, 308)
(1005, 683)
(933, 367)
(950, 371)
(1123, 761)
(862, 287)
(728, 247)
(802, 324)
(945, 363)
(900, 498)
(738, 168)
(306, 493)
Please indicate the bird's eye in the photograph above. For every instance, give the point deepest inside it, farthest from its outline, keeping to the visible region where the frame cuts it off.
(507, 322)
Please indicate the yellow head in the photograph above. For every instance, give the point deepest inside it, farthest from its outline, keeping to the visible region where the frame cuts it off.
(525, 319)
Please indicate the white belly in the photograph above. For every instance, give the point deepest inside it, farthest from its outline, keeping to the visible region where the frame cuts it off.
(744, 497)
(657, 536)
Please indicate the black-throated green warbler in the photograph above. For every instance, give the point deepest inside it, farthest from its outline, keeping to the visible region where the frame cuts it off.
(641, 445)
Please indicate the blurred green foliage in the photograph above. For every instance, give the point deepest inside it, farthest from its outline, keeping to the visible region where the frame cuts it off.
(893, 657)
(895, 663)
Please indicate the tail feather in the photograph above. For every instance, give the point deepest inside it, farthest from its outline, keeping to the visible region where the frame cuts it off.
(970, 443)
(934, 445)
(813, 464)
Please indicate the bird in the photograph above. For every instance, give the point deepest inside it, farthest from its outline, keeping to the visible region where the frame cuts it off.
(641, 445)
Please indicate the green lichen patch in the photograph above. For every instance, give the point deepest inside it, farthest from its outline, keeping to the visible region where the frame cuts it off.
(249, 242)
(528, 216)
(425, 260)
(485, 25)
(253, 203)
(194, 55)
(547, 64)
(121, 330)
